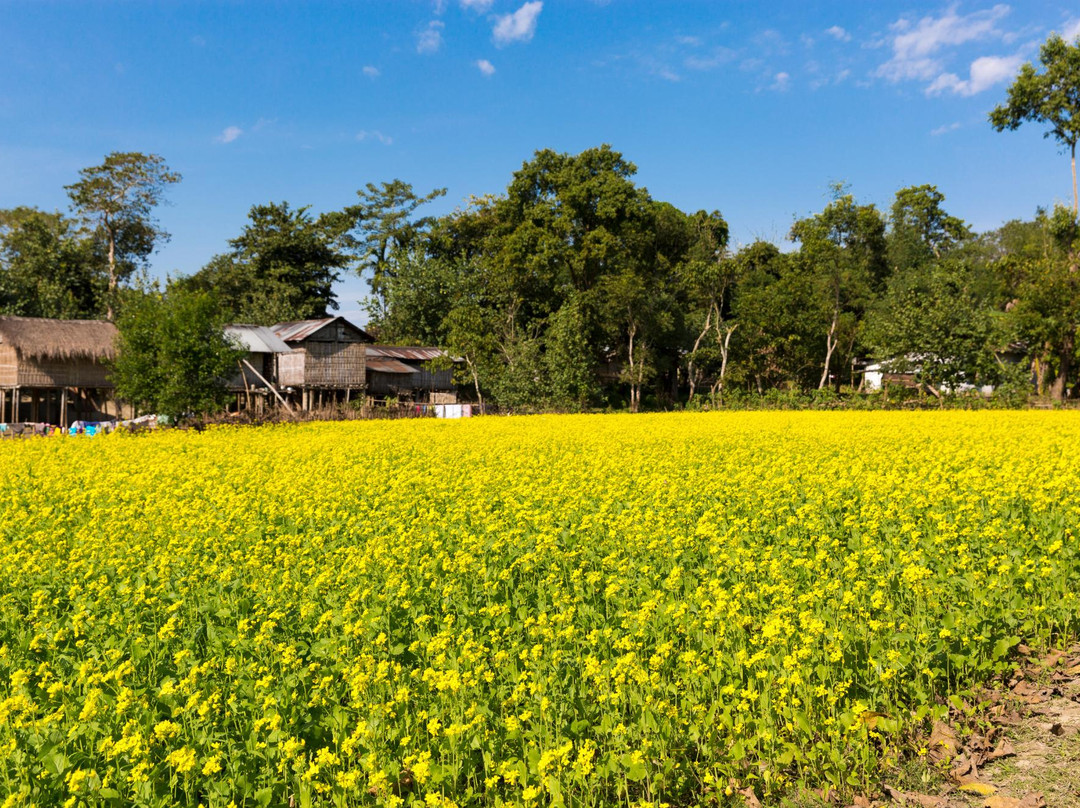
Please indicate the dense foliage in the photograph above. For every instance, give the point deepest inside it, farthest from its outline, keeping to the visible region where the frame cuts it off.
(574, 610)
(173, 357)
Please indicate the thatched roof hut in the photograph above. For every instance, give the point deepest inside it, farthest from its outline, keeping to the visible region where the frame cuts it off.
(37, 352)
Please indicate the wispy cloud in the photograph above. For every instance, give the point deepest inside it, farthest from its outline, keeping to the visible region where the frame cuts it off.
(917, 46)
(477, 5)
(429, 39)
(485, 67)
(1071, 29)
(229, 134)
(781, 82)
(374, 134)
(945, 129)
(371, 71)
(838, 33)
(985, 72)
(198, 41)
(518, 26)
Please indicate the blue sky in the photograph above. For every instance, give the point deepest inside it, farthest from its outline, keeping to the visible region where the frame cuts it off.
(749, 108)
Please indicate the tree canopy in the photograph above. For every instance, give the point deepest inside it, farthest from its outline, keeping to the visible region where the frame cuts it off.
(117, 199)
(1049, 94)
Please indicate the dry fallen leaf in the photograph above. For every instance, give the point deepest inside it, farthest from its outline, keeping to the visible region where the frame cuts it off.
(1004, 749)
(943, 744)
(750, 799)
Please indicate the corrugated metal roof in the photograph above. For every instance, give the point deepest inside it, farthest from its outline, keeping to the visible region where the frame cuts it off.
(416, 354)
(300, 329)
(257, 338)
(390, 366)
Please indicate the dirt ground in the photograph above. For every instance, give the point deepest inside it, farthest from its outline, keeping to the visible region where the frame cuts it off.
(1024, 752)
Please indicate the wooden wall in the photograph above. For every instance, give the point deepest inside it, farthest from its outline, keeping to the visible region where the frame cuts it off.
(23, 372)
(334, 365)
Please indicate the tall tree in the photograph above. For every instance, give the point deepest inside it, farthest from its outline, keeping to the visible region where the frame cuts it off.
(1051, 96)
(708, 277)
(117, 198)
(381, 230)
(47, 267)
(842, 250)
(920, 230)
(1042, 284)
(281, 267)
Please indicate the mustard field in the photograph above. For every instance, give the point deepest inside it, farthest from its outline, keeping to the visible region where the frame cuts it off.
(557, 610)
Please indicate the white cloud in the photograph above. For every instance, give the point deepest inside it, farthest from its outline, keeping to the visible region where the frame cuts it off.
(986, 71)
(229, 134)
(781, 82)
(372, 72)
(374, 134)
(429, 39)
(945, 129)
(916, 46)
(479, 6)
(838, 33)
(1072, 30)
(519, 26)
(485, 67)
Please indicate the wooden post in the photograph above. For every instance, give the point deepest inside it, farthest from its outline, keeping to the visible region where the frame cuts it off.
(15, 401)
(3, 404)
(63, 408)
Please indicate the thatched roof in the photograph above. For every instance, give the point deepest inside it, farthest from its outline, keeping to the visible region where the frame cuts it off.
(41, 339)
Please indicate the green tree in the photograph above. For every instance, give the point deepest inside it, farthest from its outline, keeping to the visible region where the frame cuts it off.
(569, 358)
(1051, 96)
(381, 231)
(708, 277)
(117, 199)
(173, 357)
(779, 320)
(47, 268)
(842, 253)
(1042, 289)
(281, 267)
(920, 231)
(939, 321)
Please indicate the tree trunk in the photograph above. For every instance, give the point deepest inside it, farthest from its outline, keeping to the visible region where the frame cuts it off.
(1076, 209)
(476, 383)
(691, 372)
(830, 346)
(1057, 390)
(725, 352)
(634, 388)
(109, 313)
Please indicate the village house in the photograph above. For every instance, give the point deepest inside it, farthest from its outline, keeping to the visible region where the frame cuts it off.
(326, 362)
(55, 371)
(408, 372)
(255, 382)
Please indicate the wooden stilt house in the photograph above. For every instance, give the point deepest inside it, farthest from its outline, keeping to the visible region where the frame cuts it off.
(255, 382)
(327, 363)
(54, 370)
(409, 372)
